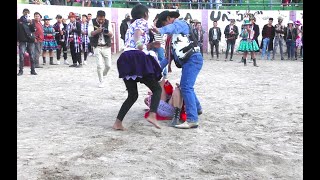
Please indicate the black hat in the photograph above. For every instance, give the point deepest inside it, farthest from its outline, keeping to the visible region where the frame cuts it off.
(163, 16)
(101, 13)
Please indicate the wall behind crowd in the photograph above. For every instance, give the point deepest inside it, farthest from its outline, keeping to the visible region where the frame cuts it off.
(206, 17)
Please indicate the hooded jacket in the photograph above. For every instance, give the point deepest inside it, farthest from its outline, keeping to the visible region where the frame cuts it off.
(25, 30)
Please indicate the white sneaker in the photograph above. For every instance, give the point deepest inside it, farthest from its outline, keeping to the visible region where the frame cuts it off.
(101, 85)
(66, 62)
(90, 54)
(84, 62)
(58, 62)
(187, 125)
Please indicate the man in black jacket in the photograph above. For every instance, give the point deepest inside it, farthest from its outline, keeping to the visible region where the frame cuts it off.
(26, 39)
(198, 32)
(256, 30)
(231, 33)
(124, 26)
(214, 39)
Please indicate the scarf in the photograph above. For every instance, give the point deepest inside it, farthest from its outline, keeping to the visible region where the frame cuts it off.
(76, 39)
(84, 37)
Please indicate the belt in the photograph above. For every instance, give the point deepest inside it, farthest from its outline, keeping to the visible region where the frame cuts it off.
(102, 45)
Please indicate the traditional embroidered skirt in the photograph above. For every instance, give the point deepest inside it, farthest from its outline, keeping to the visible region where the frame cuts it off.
(248, 46)
(136, 65)
(49, 43)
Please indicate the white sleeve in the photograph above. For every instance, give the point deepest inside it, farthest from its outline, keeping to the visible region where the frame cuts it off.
(90, 28)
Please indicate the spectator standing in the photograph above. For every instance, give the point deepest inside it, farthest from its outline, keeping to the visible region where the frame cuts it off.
(278, 40)
(247, 43)
(60, 29)
(89, 44)
(39, 38)
(124, 26)
(198, 32)
(84, 38)
(298, 39)
(214, 39)
(231, 33)
(26, 39)
(49, 42)
(74, 40)
(268, 33)
(290, 36)
(256, 29)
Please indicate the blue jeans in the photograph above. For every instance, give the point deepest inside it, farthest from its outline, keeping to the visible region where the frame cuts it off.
(29, 47)
(265, 45)
(291, 47)
(162, 60)
(190, 71)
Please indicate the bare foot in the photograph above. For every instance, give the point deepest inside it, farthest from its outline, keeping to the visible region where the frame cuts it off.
(152, 119)
(118, 125)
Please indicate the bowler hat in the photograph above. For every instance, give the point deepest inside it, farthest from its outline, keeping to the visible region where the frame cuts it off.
(46, 17)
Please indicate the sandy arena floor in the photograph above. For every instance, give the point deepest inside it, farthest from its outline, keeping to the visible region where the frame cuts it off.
(251, 127)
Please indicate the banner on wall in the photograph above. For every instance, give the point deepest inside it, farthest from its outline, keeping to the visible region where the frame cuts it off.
(206, 17)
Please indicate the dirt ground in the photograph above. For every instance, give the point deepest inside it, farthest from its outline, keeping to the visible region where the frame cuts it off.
(251, 127)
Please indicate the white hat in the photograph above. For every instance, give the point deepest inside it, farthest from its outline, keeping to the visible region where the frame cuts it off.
(290, 22)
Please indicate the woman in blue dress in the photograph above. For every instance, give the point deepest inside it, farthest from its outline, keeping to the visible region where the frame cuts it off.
(49, 42)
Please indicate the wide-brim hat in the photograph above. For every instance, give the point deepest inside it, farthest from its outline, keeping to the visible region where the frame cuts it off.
(280, 18)
(71, 14)
(290, 22)
(163, 16)
(297, 23)
(46, 17)
(246, 22)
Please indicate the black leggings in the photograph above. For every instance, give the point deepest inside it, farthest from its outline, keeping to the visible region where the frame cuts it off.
(132, 89)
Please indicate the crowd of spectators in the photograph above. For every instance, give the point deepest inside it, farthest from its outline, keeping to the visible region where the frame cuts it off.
(160, 4)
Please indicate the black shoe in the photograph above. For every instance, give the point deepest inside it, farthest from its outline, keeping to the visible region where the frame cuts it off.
(38, 67)
(73, 65)
(79, 66)
(33, 73)
(231, 60)
(20, 73)
(200, 112)
(282, 59)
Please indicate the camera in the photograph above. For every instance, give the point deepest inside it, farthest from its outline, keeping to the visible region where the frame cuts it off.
(105, 31)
